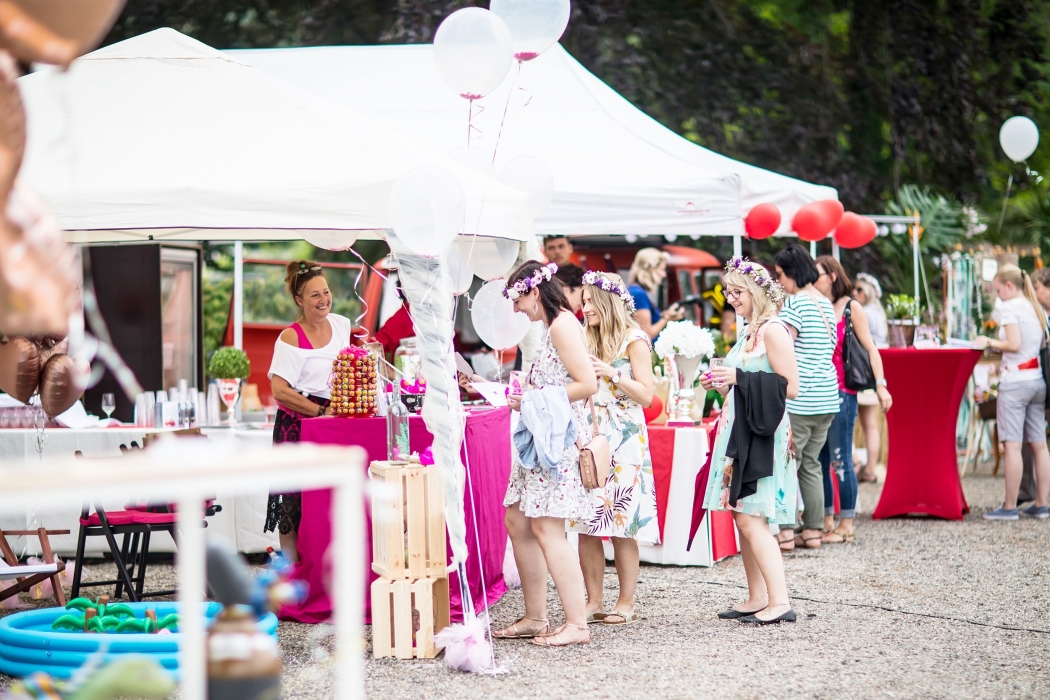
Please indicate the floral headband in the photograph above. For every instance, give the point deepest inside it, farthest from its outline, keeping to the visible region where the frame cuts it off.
(523, 286)
(596, 279)
(759, 276)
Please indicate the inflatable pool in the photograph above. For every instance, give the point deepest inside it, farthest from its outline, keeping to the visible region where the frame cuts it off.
(28, 644)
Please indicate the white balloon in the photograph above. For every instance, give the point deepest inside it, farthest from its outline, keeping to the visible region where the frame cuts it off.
(535, 25)
(473, 52)
(476, 158)
(495, 321)
(426, 209)
(1019, 137)
(530, 174)
(331, 240)
(490, 259)
(455, 260)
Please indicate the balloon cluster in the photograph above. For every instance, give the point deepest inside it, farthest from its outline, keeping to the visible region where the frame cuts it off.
(813, 222)
(31, 365)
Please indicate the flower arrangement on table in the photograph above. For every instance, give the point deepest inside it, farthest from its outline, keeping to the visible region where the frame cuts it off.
(684, 338)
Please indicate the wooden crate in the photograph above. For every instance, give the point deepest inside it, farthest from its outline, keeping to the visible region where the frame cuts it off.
(408, 521)
(406, 615)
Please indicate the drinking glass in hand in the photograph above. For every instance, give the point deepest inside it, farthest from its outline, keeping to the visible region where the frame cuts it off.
(716, 362)
(517, 382)
(109, 404)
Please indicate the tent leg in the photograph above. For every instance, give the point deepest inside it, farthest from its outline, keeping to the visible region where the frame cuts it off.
(835, 252)
(813, 249)
(915, 263)
(738, 246)
(238, 295)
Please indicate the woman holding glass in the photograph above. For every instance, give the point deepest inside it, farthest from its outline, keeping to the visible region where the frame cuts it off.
(625, 509)
(539, 501)
(648, 271)
(764, 347)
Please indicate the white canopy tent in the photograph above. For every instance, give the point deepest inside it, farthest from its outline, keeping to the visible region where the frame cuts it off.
(616, 169)
(162, 137)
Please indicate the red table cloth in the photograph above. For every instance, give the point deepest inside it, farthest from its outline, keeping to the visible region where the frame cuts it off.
(487, 448)
(922, 473)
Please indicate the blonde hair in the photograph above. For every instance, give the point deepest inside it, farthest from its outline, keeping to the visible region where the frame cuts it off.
(1020, 280)
(646, 261)
(762, 306)
(614, 324)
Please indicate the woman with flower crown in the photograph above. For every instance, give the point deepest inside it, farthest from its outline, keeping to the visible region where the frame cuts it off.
(625, 510)
(538, 500)
(765, 346)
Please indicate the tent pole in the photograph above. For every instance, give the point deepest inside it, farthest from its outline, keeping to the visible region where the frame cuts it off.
(738, 246)
(915, 260)
(238, 295)
(835, 253)
(813, 249)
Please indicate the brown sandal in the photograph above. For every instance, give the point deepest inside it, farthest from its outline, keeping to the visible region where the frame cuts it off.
(511, 630)
(545, 641)
(799, 541)
(787, 545)
(837, 536)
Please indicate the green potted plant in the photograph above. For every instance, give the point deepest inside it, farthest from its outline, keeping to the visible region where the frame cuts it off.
(228, 367)
(902, 313)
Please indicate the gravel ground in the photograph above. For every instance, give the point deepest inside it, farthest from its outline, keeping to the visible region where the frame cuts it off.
(916, 608)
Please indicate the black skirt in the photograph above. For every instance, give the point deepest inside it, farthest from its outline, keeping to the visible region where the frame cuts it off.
(284, 511)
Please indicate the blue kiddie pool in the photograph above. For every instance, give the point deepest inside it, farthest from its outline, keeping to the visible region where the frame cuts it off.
(28, 644)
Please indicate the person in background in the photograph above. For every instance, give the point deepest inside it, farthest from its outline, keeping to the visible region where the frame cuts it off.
(570, 277)
(868, 292)
(764, 349)
(558, 249)
(1041, 283)
(648, 271)
(836, 459)
(809, 316)
(728, 325)
(625, 509)
(1020, 408)
(539, 501)
(299, 372)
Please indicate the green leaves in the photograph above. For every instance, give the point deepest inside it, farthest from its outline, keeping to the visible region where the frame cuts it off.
(229, 363)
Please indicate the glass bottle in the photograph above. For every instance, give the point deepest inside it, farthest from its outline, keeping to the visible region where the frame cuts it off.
(407, 360)
(396, 427)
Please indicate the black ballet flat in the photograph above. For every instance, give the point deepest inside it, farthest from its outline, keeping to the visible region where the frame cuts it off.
(735, 614)
(789, 616)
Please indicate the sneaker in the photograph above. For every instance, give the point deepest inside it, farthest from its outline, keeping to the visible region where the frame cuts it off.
(1034, 511)
(1001, 513)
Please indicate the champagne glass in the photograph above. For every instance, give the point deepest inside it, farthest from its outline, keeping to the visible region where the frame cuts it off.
(716, 362)
(517, 382)
(109, 404)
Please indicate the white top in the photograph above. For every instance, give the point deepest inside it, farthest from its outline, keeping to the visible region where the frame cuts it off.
(1019, 311)
(308, 370)
(877, 324)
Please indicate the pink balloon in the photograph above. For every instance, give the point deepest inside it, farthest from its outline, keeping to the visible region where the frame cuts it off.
(855, 231)
(762, 221)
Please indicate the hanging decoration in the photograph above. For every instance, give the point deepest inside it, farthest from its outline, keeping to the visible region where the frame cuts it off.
(762, 221)
(494, 318)
(331, 240)
(816, 220)
(1019, 137)
(535, 25)
(427, 209)
(855, 231)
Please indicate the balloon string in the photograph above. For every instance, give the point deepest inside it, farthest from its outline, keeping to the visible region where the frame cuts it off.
(1002, 214)
(506, 107)
(470, 119)
(364, 304)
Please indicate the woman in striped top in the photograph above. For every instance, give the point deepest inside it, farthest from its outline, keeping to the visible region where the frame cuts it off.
(810, 318)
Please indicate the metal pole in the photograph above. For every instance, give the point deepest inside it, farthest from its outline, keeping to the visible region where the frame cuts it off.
(915, 259)
(738, 245)
(238, 295)
(835, 250)
(813, 249)
(190, 566)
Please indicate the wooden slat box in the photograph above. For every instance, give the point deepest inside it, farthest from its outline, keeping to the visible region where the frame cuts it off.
(406, 615)
(408, 521)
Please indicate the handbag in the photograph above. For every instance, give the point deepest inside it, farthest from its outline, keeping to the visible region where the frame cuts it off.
(856, 363)
(595, 456)
(1044, 363)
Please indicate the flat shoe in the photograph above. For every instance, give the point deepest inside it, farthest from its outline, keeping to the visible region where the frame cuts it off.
(736, 614)
(789, 616)
(624, 619)
(511, 630)
(595, 617)
(554, 640)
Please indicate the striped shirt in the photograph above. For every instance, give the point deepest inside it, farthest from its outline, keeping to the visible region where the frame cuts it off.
(818, 390)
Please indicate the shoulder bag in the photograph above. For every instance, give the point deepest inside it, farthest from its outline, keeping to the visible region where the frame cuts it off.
(595, 456)
(856, 363)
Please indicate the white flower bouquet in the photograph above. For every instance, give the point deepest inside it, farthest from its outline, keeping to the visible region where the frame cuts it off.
(684, 338)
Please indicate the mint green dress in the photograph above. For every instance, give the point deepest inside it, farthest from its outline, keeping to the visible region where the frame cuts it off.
(776, 496)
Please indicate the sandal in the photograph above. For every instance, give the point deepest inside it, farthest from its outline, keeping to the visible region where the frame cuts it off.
(838, 536)
(511, 630)
(787, 545)
(545, 641)
(865, 477)
(596, 617)
(621, 618)
(800, 542)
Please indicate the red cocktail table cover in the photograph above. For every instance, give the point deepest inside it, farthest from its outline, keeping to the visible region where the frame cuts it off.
(922, 473)
(487, 443)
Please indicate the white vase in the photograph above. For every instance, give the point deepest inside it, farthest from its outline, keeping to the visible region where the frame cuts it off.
(229, 392)
(683, 376)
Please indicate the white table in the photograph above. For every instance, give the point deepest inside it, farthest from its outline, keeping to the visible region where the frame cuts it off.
(240, 521)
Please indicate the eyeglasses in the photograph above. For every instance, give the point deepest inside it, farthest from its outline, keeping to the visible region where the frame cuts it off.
(733, 294)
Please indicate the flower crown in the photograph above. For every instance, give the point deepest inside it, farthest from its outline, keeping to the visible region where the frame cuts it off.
(523, 286)
(597, 279)
(759, 276)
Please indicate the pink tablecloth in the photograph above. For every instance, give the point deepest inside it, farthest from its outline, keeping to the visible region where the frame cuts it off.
(487, 444)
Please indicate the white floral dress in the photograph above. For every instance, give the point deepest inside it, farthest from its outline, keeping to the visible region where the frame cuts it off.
(536, 493)
(626, 507)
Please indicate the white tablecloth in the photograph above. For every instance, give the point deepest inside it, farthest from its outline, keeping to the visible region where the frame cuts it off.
(241, 520)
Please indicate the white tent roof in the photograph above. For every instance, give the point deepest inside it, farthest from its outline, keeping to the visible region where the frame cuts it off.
(608, 177)
(616, 169)
(162, 136)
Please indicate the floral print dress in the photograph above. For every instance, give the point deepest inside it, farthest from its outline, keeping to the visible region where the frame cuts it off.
(626, 507)
(534, 490)
(776, 496)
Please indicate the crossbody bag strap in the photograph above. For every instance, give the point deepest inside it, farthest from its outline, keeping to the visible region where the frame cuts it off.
(594, 422)
(827, 326)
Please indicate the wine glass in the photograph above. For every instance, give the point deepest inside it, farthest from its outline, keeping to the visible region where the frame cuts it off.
(109, 404)
(716, 362)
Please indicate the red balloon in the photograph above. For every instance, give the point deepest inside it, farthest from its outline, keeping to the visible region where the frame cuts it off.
(855, 231)
(816, 220)
(654, 410)
(762, 221)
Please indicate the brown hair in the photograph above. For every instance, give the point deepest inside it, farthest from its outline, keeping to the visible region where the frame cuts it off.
(552, 298)
(299, 272)
(1022, 282)
(841, 286)
(1041, 277)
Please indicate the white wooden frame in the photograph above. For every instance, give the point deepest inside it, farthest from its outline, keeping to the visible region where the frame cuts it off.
(187, 472)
